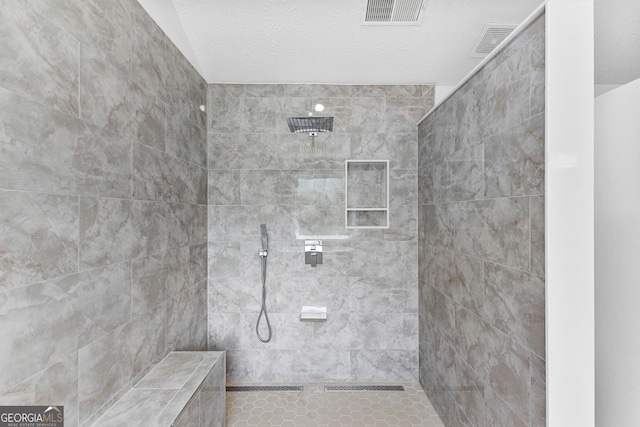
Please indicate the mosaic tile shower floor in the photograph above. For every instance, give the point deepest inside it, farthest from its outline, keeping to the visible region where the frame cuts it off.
(316, 407)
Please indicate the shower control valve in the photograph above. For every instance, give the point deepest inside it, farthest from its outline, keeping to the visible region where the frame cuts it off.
(313, 252)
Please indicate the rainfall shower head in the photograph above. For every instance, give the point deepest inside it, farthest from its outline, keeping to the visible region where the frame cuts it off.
(311, 124)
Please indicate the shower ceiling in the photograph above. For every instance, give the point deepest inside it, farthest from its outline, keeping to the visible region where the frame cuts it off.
(325, 41)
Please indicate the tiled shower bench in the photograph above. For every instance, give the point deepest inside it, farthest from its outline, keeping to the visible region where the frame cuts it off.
(187, 388)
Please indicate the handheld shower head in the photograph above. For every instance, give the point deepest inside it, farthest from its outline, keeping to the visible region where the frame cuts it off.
(265, 241)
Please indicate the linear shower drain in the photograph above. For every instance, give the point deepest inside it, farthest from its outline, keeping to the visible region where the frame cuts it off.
(266, 388)
(363, 388)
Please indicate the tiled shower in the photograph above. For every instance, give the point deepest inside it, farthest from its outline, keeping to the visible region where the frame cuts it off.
(129, 222)
(259, 172)
(102, 202)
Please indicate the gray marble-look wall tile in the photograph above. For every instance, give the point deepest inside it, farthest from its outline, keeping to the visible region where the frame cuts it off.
(370, 145)
(538, 67)
(434, 183)
(468, 286)
(145, 336)
(224, 187)
(355, 115)
(228, 91)
(499, 413)
(372, 294)
(38, 237)
(237, 331)
(57, 314)
(469, 394)
(148, 284)
(192, 413)
(185, 88)
(320, 90)
(252, 365)
(509, 374)
(197, 263)
(185, 140)
(105, 370)
(58, 383)
(176, 185)
(198, 225)
(402, 187)
(372, 260)
(184, 225)
(102, 296)
(470, 117)
(440, 225)
(260, 90)
(311, 365)
(184, 310)
(389, 365)
(198, 184)
(228, 259)
(496, 230)
(537, 235)
(227, 117)
(114, 230)
(517, 307)
(298, 152)
(109, 99)
(138, 406)
(70, 156)
(538, 392)
(465, 168)
(514, 160)
(148, 66)
(238, 295)
(291, 293)
(289, 333)
(239, 223)
(266, 187)
(259, 115)
(194, 338)
(302, 181)
(148, 174)
(151, 127)
(242, 151)
(104, 26)
(508, 92)
(38, 59)
(402, 117)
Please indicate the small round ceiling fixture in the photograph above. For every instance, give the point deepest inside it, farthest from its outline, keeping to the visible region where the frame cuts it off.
(319, 107)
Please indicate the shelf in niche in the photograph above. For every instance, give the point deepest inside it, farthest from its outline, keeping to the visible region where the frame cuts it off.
(367, 194)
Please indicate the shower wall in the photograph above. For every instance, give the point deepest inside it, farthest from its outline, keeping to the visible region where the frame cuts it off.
(261, 173)
(102, 202)
(481, 237)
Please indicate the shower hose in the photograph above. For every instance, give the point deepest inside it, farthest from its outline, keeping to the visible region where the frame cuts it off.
(263, 310)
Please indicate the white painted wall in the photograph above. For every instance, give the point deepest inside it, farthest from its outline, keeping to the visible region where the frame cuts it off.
(164, 14)
(569, 215)
(617, 216)
(442, 92)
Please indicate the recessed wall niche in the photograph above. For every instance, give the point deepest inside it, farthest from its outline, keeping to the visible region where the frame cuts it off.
(367, 194)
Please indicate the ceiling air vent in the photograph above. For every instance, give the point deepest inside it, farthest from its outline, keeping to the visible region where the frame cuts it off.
(490, 37)
(392, 12)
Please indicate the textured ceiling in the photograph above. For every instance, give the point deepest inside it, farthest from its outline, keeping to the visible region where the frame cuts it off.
(617, 41)
(323, 41)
